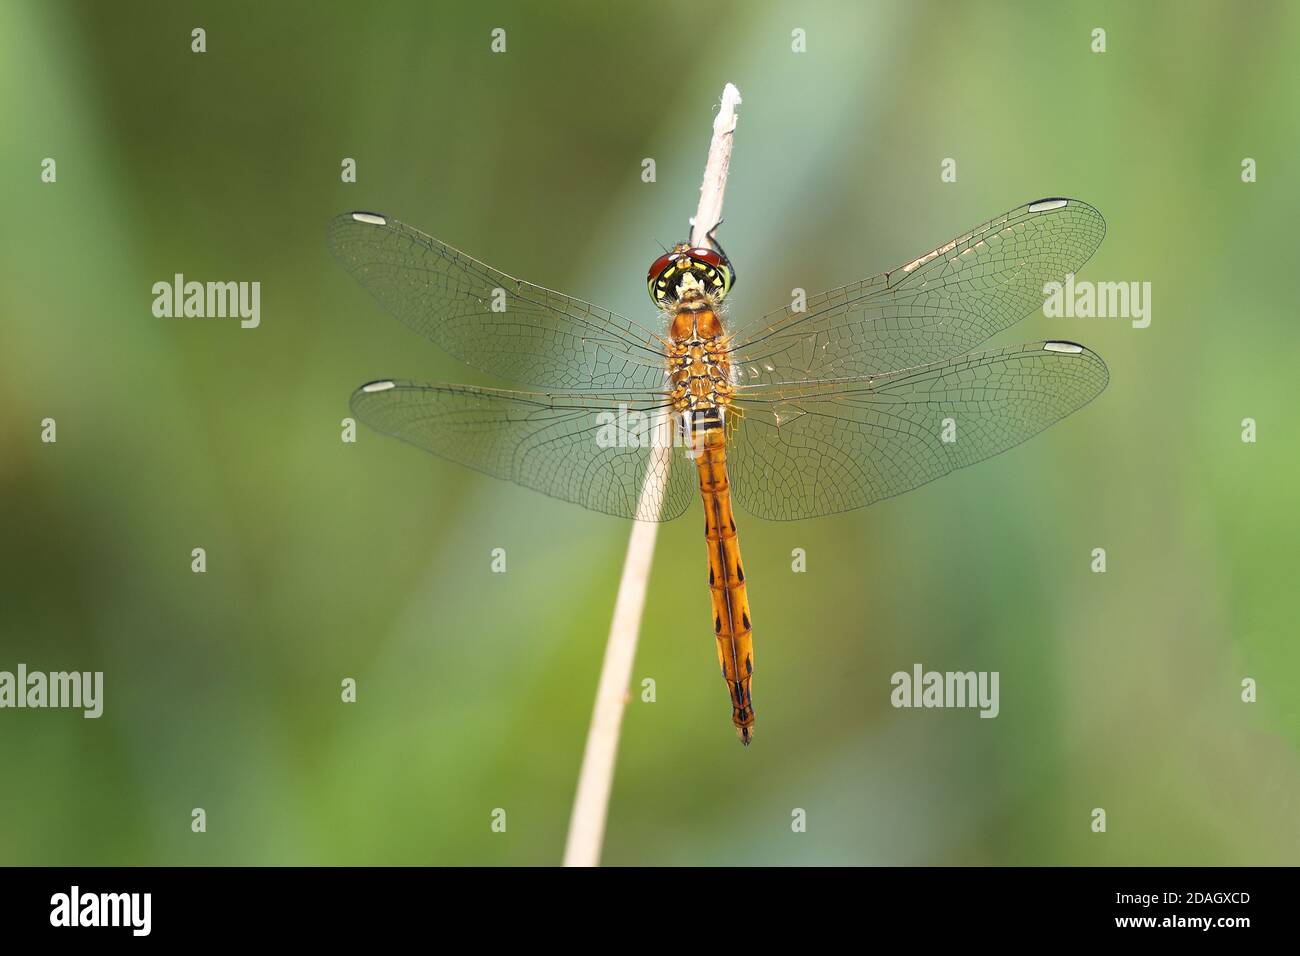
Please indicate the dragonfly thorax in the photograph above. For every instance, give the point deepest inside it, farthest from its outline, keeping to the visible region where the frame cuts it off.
(698, 366)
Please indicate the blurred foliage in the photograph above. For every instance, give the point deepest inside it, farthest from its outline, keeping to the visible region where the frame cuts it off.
(328, 560)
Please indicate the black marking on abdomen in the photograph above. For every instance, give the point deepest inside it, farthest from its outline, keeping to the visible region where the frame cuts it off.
(707, 419)
(726, 594)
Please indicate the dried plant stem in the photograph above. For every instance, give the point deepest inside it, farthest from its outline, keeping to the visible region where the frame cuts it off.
(591, 804)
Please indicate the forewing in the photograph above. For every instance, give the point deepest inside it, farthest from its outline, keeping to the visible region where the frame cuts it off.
(801, 451)
(594, 450)
(940, 304)
(494, 322)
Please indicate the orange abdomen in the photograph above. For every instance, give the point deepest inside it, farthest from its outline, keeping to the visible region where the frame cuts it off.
(731, 623)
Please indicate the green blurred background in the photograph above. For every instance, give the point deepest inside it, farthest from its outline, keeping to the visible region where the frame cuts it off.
(328, 560)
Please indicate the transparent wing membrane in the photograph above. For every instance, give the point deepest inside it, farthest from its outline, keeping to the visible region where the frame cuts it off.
(498, 324)
(810, 449)
(591, 449)
(866, 394)
(938, 305)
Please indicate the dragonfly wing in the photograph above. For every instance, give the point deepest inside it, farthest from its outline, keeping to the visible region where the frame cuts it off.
(591, 449)
(940, 304)
(494, 322)
(810, 449)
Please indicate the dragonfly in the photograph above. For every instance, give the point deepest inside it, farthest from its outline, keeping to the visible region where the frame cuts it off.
(822, 406)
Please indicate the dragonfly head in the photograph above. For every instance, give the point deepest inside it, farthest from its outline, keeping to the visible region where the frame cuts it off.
(709, 269)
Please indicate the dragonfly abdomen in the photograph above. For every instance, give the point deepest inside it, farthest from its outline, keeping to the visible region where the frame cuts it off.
(732, 629)
(701, 391)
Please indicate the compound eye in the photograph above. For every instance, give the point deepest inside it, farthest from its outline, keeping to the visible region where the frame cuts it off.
(706, 255)
(659, 265)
